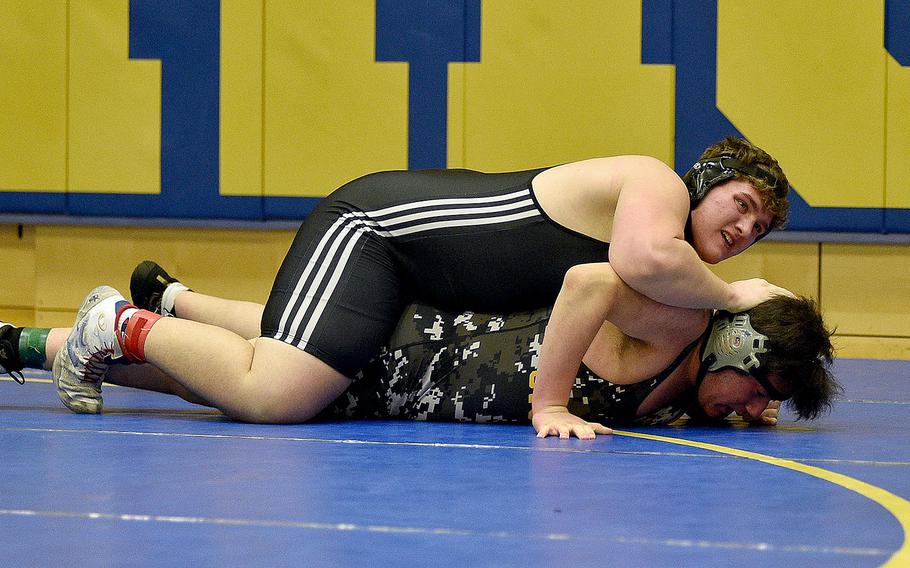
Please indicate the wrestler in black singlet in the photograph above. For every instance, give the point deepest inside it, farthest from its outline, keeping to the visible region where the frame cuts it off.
(455, 239)
(472, 367)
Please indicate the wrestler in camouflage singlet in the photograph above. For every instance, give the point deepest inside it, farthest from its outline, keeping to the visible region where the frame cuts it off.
(471, 367)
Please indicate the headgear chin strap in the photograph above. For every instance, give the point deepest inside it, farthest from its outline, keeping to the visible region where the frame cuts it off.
(734, 343)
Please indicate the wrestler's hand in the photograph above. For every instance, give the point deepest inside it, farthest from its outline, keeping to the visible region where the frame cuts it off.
(558, 421)
(768, 417)
(749, 293)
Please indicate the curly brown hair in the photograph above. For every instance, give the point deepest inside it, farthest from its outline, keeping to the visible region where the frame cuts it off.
(774, 198)
(799, 352)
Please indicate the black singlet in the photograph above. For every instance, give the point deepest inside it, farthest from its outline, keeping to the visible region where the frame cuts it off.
(456, 239)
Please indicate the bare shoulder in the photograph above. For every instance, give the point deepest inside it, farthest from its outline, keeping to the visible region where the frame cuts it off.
(603, 179)
(596, 171)
(634, 165)
(638, 178)
(647, 174)
(584, 195)
(640, 336)
(675, 326)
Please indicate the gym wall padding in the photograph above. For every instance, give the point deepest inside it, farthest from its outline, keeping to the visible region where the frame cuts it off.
(250, 110)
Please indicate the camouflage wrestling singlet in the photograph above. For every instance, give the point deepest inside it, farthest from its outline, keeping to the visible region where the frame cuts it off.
(471, 367)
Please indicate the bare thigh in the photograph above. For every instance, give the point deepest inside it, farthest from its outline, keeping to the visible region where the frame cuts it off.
(298, 384)
(256, 380)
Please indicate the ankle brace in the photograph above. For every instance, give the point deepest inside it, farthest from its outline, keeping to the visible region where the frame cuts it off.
(32, 346)
(131, 334)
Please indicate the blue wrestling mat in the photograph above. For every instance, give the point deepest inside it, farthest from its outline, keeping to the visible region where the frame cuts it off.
(159, 482)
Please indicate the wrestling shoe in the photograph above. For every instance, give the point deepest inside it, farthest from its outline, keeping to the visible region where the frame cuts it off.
(82, 362)
(8, 360)
(148, 285)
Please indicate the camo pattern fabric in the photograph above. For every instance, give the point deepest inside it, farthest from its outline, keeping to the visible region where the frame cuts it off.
(475, 367)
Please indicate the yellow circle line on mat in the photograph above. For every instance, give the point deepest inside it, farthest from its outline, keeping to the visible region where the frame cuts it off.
(897, 506)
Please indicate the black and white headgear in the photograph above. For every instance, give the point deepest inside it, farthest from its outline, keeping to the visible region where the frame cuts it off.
(705, 174)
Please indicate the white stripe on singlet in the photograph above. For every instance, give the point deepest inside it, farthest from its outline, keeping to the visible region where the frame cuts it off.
(332, 253)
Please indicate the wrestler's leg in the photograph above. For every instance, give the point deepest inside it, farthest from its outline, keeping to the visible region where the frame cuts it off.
(150, 378)
(261, 380)
(242, 318)
(284, 377)
(335, 301)
(36, 348)
(153, 289)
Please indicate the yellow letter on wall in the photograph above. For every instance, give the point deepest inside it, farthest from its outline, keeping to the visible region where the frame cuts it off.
(560, 81)
(807, 84)
(114, 103)
(332, 113)
(241, 97)
(32, 96)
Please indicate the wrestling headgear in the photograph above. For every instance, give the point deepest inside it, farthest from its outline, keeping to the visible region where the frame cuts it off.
(707, 173)
(734, 343)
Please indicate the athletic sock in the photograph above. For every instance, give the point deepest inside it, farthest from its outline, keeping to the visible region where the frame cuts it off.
(169, 297)
(133, 326)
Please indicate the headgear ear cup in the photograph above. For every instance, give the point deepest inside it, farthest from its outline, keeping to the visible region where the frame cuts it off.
(705, 175)
(734, 343)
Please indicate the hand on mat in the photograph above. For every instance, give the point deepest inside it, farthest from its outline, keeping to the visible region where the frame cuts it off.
(768, 417)
(558, 421)
(750, 293)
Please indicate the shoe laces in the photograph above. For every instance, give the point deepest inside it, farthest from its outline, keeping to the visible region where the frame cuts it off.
(16, 375)
(97, 364)
(5, 349)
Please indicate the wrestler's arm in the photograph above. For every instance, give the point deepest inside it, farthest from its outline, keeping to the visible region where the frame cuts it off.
(650, 208)
(564, 346)
(653, 325)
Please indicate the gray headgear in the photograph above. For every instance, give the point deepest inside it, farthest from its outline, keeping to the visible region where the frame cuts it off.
(734, 343)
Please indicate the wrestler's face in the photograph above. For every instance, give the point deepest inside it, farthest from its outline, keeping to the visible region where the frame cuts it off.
(727, 391)
(728, 220)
